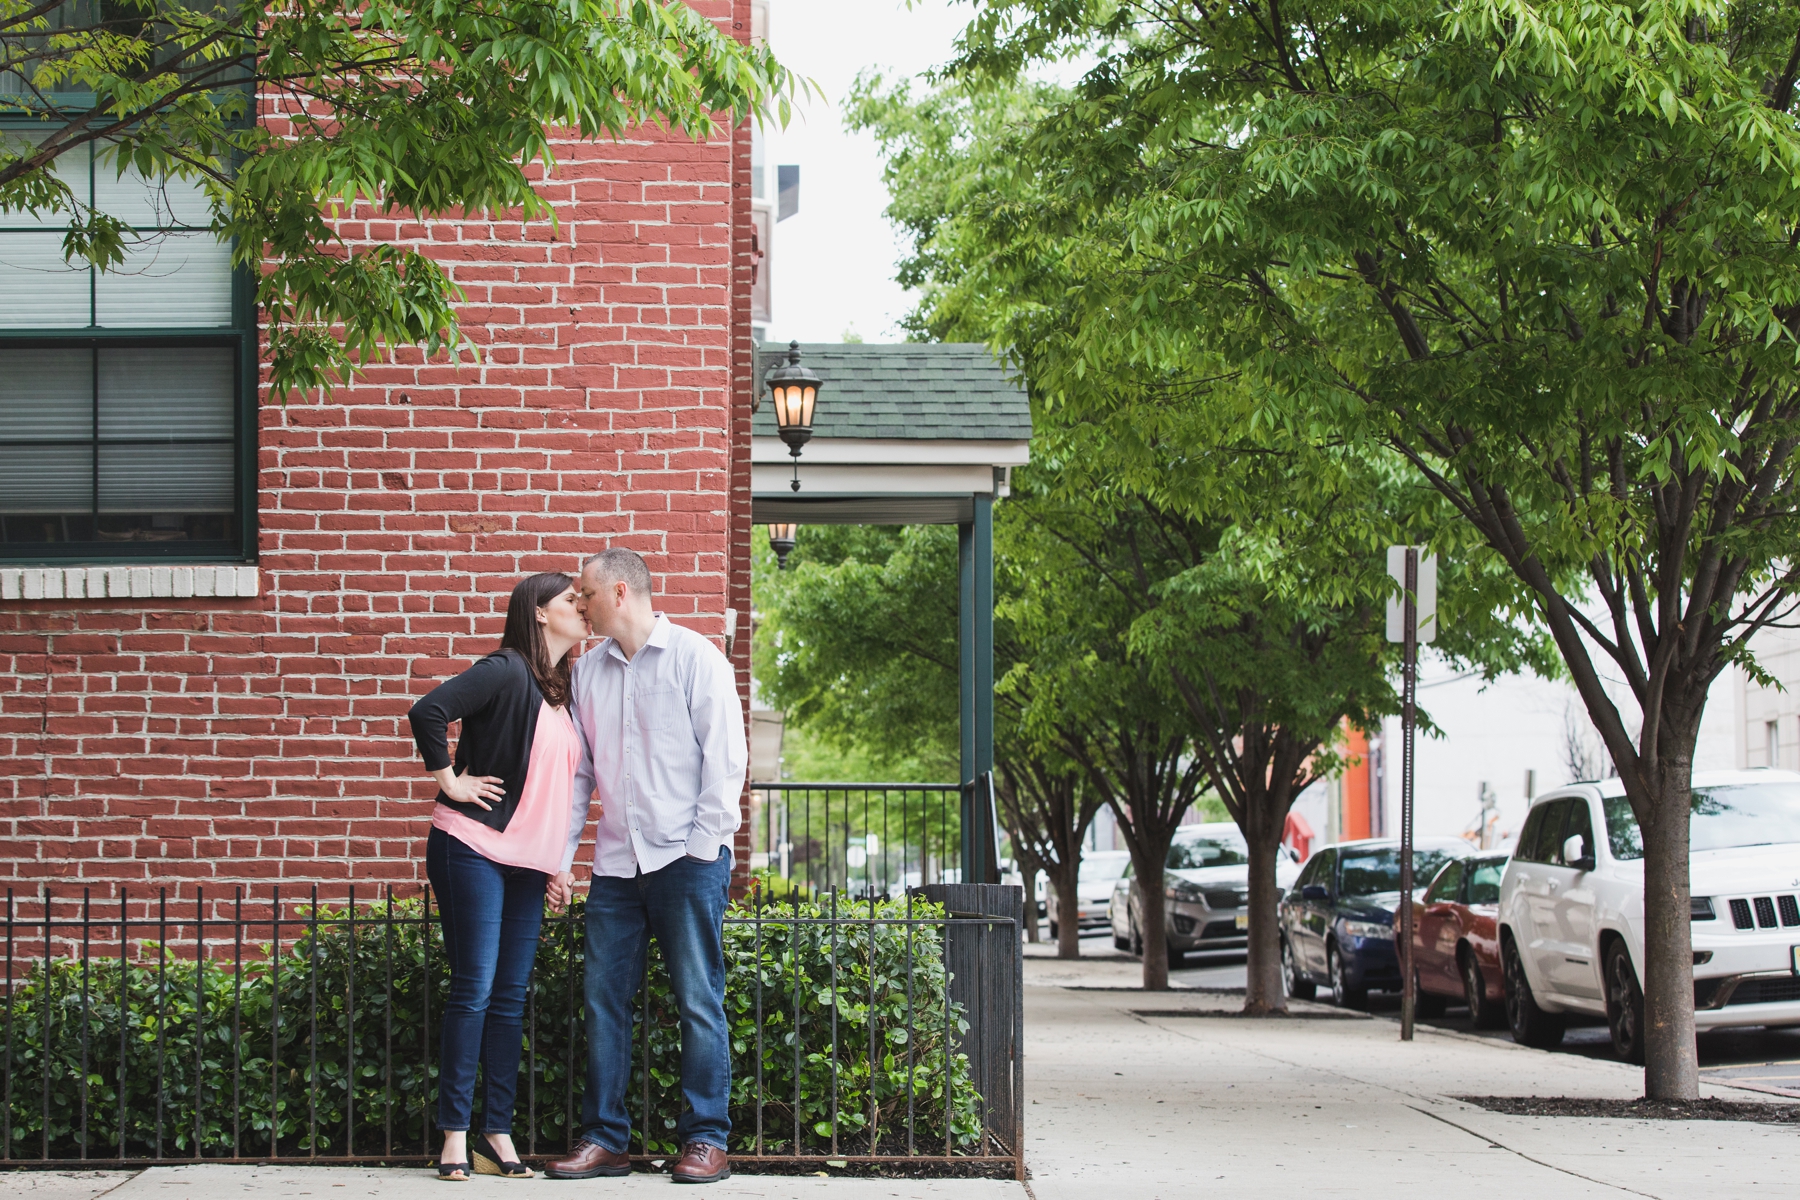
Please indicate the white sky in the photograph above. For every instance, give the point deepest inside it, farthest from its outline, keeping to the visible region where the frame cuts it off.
(833, 263)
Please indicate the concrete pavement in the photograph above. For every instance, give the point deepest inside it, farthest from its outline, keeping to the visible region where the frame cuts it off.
(1134, 1096)
(1189, 1100)
(393, 1183)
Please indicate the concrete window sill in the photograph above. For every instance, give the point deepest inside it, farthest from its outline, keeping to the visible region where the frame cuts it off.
(158, 582)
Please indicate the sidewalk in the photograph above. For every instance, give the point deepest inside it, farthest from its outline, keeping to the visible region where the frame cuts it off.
(1135, 1096)
(1183, 1103)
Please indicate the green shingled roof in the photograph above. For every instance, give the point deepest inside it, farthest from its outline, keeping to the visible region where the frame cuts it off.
(928, 391)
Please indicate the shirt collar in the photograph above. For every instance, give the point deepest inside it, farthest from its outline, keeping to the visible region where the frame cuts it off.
(659, 637)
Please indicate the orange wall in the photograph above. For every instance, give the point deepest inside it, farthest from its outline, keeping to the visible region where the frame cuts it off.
(1355, 817)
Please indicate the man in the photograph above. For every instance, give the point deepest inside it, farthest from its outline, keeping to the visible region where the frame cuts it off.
(658, 708)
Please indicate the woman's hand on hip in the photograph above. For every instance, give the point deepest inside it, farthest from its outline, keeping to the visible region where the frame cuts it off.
(470, 789)
(560, 890)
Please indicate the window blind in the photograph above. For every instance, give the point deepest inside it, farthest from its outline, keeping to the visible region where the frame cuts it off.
(176, 273)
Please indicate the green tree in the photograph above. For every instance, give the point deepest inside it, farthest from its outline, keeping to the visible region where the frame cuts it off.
(1247, 566)
(426, 107)
(1546, 253)
(858, 644)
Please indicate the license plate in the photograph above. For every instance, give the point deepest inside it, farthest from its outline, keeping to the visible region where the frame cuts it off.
(1243, 922)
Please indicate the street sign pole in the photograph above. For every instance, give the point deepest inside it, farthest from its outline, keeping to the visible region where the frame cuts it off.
(1408, 980)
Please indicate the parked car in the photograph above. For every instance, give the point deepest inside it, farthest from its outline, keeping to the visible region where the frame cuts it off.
(1205, 886)
(1456, 941)
(1100, 869)
(1572, 909)
(1337, 920)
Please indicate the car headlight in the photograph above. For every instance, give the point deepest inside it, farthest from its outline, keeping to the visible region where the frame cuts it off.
(1183, 890)
(1368, 929)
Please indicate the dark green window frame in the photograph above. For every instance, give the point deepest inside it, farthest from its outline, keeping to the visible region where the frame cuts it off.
(241, 336)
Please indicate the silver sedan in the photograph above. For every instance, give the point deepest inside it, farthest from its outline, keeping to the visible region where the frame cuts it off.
(1205, 889)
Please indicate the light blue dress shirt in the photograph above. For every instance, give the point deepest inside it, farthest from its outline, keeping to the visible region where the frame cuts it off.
(663, 735)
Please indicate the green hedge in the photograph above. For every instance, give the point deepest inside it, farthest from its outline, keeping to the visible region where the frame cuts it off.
(317, 983)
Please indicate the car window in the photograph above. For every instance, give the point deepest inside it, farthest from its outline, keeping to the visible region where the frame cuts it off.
(1191, 853)
(1372, 872)
(1448, 885)
(1103, 868)
(1578, 823)
(1126, 873)
(1723, 818)
(1538, 842)
(1484, 880)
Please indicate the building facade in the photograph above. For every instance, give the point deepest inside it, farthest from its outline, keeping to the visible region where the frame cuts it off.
(216, 607)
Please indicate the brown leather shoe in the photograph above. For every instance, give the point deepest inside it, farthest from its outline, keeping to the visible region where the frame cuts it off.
(701, 1163)
(589, 1161)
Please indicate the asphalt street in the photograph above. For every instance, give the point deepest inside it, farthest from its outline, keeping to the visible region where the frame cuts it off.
(1766, 1059)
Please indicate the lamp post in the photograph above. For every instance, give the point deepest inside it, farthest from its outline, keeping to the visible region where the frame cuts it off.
(781, 541)
(795, 389)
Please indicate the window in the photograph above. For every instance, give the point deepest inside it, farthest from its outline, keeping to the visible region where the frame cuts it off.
(1538, 840)
(1189, 853)
(127, 397)
(1372, 872)
(1772, 740)
(1447, 887)
(1103, 866)
(1484, 880)
(1316, 870)
(1578, 823)
(1723, 818)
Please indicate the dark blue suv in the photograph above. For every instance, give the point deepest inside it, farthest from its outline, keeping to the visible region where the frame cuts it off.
(1337, 921)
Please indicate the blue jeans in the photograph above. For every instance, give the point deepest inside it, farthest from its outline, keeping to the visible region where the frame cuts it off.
(490, 914)
(683, 905)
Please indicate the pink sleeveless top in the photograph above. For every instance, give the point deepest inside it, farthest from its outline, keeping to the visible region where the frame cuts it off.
(538, 835)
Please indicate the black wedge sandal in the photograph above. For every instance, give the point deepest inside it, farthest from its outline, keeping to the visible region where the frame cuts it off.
(453, 1172)
(487, 1163)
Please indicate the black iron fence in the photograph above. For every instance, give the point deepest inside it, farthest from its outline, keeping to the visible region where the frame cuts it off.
(865, 839)
(863, 1031)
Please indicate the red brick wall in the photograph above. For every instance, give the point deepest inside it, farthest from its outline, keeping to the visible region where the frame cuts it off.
(253, 742)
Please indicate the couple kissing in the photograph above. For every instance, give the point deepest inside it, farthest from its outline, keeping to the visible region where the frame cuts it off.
(649, 718)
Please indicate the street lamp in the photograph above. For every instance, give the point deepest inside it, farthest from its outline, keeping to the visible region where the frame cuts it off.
(795, 390)
(781, 541)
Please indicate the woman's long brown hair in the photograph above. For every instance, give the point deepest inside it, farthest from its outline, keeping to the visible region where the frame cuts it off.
(524, 634)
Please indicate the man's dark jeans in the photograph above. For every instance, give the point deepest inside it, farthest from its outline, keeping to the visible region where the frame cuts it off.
(683, 905)
(491, 914)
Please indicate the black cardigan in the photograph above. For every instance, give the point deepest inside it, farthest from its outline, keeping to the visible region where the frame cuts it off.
(497, 701)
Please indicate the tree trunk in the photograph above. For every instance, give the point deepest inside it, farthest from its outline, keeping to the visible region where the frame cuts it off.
(1671, 1060)
(1153, 928)
(1263, 989)
(1068, 909)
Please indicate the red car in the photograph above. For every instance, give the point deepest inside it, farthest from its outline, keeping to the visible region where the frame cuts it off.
(1456, 946)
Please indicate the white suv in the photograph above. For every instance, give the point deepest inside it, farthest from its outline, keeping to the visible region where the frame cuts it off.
(1572, 909)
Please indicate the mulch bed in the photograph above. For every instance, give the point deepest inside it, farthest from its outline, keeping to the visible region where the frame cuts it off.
(1640, 1109)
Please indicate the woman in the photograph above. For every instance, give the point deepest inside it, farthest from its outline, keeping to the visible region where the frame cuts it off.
(503, 837)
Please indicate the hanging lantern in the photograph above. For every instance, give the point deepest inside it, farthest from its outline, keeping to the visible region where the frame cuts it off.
(781, 541)
(795, 390)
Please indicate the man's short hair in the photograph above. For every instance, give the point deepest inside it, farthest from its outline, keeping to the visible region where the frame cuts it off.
(619, 563)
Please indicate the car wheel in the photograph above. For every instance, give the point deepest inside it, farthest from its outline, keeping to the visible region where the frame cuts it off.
(1298, 987)
(1624, 1004)
(1426, 1005)
(1120, 943)
(1053, 931)
(1531, 1025)
(1483, 1013)
(1177, 958)
(1137, 942)
(1342, 994)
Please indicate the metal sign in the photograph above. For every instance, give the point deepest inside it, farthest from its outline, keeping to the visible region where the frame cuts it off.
(1425, 595)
